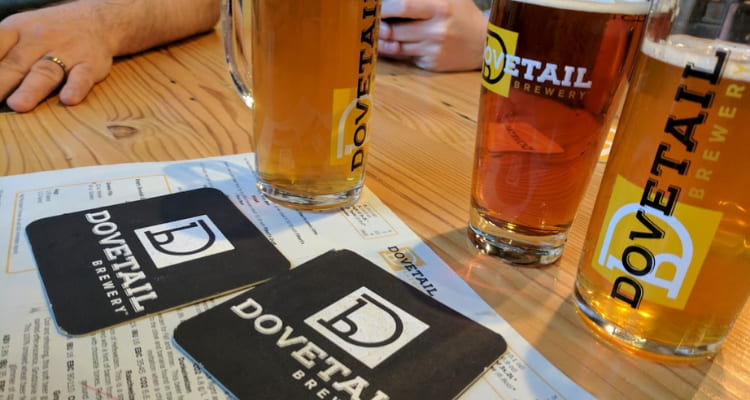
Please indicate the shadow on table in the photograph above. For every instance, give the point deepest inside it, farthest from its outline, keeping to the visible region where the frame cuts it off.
(619, 374)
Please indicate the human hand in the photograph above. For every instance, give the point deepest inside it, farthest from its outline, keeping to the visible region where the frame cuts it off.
(438, 35)
(68, 32)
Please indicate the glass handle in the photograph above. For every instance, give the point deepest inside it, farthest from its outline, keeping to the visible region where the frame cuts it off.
(237, 38)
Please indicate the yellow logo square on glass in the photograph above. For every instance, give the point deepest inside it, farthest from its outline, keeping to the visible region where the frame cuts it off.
(501, 43)
(677, 256)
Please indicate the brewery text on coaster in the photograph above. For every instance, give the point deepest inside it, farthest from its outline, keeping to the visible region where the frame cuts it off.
(110, 265)
(340, 327)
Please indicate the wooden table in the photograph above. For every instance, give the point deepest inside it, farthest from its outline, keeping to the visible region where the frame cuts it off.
(177, 103)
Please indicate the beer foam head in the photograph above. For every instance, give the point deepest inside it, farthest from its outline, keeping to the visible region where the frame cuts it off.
(679, 50)
(628, 7)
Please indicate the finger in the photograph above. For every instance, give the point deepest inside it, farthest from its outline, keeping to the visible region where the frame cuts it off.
(12, 71)
(391, 49)
(413, 31)
(8, 39)
(44, 77)
(385, 31)
(78, 85)
(428, 64)
(15, 66)
(418, 49)
(424, 56)
(414, 9)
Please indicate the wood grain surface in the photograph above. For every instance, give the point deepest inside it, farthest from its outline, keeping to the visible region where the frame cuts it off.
(177, 103)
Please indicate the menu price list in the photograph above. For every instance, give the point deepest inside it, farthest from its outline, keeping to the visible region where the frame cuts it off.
(133, 361)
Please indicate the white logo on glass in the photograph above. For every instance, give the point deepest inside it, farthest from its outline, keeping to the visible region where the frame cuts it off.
(179, 241)
(367, 326)
(681, 263)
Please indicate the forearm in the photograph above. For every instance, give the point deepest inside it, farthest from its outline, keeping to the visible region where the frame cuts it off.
(131, 26)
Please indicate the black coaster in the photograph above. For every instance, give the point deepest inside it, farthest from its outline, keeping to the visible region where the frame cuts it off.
(340, 327)
(113, 264)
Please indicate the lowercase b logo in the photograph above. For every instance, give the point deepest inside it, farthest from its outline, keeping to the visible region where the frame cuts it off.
(367, 326)
(183, 240)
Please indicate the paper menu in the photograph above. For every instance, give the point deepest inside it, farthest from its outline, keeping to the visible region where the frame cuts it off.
(137, 360)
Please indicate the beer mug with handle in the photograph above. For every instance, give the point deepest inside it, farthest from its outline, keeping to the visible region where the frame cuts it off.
(666, 263)
(306, 70)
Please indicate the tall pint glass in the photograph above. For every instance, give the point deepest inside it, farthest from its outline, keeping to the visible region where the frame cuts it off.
(306, 69)
(666, 263)
(554, 72)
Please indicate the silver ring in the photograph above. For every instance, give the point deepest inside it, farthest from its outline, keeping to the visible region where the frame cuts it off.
(57, 61)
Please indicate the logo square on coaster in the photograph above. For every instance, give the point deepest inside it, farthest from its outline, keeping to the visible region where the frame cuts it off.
(366, 326)
(341, 327)
(184, 240)
(113, 264)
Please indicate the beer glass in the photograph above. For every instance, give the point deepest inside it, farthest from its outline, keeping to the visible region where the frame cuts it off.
(666, 262)
(306, 70)
(554, 72)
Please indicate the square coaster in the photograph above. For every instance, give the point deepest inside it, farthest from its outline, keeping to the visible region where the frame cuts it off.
(110, 265)
(338, 327)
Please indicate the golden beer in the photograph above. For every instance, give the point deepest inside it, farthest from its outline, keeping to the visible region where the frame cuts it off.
(666, 265)
(553, 75)
(312, 72)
